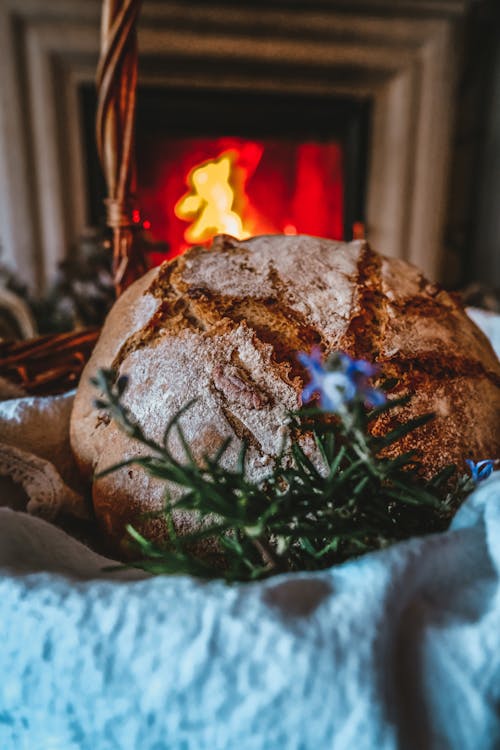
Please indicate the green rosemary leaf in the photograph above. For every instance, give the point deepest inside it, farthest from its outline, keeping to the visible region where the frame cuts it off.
(323, 448)
(399, 432)
(394, 464)
(303, 461)
(443, 476)
(389, 405)
(360, 487)
(307, 546)
(174, 421)
(345, 476)
(147, 548)
(213, 462)
(185, 445)
(336, 462)
(411, 495)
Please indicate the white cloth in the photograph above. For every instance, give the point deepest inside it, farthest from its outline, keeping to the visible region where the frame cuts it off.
(398, 649)
(489, 323)
(37, 470)
(40, 426)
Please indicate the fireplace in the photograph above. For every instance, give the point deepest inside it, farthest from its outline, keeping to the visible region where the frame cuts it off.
(394, 64)
(240, 163)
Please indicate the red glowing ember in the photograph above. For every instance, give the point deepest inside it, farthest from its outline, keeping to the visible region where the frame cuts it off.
(193, 188)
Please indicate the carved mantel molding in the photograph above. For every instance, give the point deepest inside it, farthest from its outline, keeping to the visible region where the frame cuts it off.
(405, 60)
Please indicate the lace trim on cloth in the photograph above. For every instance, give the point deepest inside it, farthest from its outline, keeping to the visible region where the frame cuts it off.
(48, 494)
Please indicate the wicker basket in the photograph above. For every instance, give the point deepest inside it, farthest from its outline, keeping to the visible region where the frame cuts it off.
(49, 364)
(52, 364)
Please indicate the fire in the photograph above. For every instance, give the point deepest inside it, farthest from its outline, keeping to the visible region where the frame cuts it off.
(210, 203)
(196, 187)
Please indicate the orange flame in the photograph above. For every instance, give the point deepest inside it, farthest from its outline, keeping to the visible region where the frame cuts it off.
(210, 203)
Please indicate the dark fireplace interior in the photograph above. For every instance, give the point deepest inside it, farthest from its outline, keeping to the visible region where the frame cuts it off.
(243, 163)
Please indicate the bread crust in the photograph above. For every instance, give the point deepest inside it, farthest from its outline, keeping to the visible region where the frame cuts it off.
(224, 325)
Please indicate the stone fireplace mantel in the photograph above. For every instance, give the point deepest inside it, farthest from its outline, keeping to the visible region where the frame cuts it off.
(402, 55)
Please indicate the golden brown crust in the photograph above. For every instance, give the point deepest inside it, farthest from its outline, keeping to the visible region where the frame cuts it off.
(224, 325)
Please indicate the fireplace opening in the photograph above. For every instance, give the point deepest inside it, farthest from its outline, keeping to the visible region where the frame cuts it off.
(240, 163)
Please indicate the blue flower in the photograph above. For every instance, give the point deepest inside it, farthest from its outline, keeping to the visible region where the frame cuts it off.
(340, 381)
(360, 371)
(480, 470)
(334, 388)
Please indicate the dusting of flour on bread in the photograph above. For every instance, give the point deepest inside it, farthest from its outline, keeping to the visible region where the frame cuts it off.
(223, 325)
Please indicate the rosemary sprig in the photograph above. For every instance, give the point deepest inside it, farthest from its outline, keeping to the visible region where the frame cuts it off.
(311, 511)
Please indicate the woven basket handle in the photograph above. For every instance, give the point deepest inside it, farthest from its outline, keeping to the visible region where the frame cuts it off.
(115, 133)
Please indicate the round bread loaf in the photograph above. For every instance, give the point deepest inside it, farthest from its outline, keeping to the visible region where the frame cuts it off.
(224, 326)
